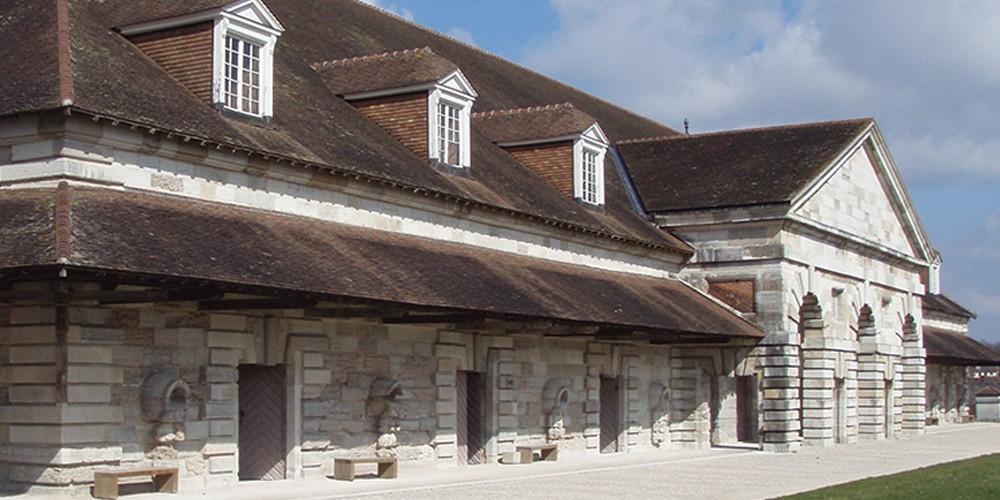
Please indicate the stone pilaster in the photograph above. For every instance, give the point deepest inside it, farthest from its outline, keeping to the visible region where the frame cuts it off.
(630, 370)
(597, 356)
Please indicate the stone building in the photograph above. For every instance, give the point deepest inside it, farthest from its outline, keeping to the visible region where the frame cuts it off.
(243, 237)
(236, 245)
(953, 360)
(808, 230)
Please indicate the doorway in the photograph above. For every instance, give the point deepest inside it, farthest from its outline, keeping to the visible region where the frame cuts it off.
(262, 422)
(610, 426)
(470, 399)
(746, 409)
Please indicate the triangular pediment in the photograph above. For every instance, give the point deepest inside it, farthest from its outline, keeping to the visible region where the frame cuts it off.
(253, 12)
(861, 196)
(456, 82)
(595, 133)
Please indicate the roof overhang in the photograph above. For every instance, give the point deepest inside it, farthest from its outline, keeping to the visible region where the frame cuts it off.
(173, 239)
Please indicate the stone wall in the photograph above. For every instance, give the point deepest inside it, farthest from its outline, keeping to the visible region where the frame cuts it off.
(948, 394)
(352, 388)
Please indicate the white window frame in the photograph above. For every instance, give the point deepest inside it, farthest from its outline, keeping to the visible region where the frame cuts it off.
(455, 91)
(226, 26)
(586, 144)
(241, 86)
(449, 124)
(439, 97)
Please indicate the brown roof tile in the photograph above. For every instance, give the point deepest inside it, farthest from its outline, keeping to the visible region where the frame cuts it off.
(172, 237)
(532, 124)
(27, 228)
(389, 70)
(944, 304)
(948, 348)
(113, 78)
(29, 68)
(738, 168)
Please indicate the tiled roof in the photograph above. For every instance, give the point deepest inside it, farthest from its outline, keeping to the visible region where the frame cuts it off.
(389, 70)
(169, 237)
(948, 348)
(944, 304)
(739, 168)
(107, 76)
(533, 123)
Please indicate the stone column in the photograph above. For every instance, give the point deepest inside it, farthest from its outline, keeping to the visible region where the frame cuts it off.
(819, 365)
(914, 382)
(779, 356)
(871, 379)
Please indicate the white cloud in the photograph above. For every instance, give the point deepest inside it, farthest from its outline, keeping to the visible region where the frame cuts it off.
(401, 12)
(721, 64)
(463, 35)
(934, 157)
(929, 71)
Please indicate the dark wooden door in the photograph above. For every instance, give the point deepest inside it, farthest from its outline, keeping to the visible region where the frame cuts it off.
(470, 399)
(262, 422)
(610, 409)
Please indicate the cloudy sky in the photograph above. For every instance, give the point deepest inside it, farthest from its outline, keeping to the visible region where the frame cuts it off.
(928, 71)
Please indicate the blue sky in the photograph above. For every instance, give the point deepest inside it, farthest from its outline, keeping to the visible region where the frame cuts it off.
(928, 71)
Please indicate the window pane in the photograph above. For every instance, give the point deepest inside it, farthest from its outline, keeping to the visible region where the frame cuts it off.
(241, 88)
(449, 134)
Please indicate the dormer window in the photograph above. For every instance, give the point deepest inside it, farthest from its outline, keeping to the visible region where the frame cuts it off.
(449, 138)
(588, 166)
(562, 145)
(223, 56)
(243, 59)
(398, 90)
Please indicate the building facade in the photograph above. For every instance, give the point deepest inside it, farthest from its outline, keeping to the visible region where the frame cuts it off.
(241, 238)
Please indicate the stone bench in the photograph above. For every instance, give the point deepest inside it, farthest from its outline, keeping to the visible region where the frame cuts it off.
(546, 452)
(106, 482)
(343, 468)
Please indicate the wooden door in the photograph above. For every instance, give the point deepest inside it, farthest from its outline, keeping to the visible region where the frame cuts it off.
(610, 409)
(262, 422)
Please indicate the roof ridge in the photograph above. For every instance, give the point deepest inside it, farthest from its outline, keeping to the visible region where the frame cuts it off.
(794, 126)
(530, 109)
(373, 57)
(65, 71)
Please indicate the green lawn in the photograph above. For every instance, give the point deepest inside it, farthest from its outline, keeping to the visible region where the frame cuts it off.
(975, 478)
